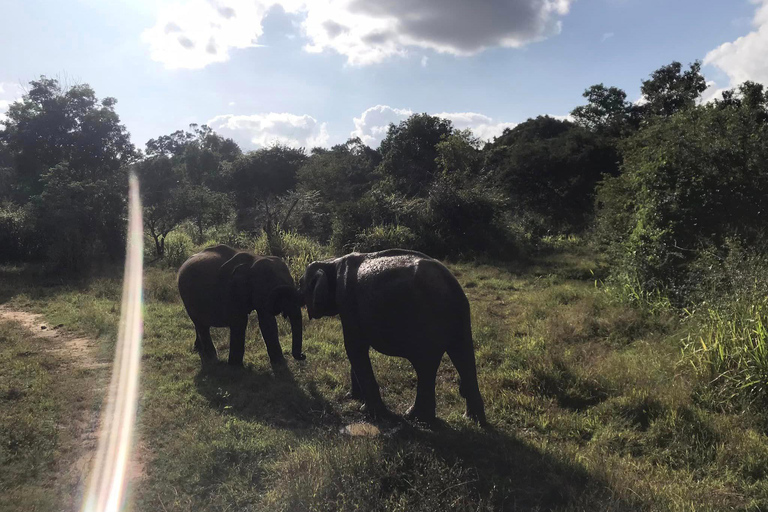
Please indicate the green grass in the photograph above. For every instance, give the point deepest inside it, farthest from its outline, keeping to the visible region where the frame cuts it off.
(592, 404)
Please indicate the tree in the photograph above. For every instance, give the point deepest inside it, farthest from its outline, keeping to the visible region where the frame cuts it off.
(670, 90)
(258, 179)
(68, 152)
(409, 152)
(185, 177)
(340, 174)
(607, 111)
(549, 169)
(459, 157)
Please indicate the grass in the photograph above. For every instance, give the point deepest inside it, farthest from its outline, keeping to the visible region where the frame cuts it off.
(592, 405)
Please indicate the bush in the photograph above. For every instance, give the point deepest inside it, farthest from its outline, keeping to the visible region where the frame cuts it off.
(690, 182)
(379, 238)
(178, 248)
(462, 221)
(18, 239)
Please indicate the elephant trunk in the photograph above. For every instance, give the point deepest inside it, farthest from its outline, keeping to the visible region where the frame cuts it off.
(294, 316)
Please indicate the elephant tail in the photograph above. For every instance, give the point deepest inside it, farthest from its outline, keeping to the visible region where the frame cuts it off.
(461, 350)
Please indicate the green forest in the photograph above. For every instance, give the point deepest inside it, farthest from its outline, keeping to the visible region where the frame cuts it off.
(615, 262)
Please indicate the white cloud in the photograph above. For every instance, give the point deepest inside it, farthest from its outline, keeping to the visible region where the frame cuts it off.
(607, 36)
(8, 94)
(266, 129)
(712, 93)
(424, 61)
(373, 123)
(744, 59)
(481, 125)
(369, 31)
(196, 33)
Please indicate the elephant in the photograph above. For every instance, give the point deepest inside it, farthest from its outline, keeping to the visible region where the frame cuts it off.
(221, 286)
(402, 303)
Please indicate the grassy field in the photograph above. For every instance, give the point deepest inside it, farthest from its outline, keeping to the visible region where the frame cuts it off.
(593, 405)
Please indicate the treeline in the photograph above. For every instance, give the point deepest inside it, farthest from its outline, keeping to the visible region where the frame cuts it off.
(669, 187)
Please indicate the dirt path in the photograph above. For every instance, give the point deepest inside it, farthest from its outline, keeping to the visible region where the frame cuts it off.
(77, 354)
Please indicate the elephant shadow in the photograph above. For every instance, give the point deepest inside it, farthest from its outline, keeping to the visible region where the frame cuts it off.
(268, 395)
(509, 474)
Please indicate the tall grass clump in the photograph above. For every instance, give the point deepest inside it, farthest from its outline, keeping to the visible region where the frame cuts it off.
(178, 247)
(297, 250)
(732, 351)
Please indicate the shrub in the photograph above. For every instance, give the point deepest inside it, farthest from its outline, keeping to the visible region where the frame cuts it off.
(383, 237)
(18, 238)
(690, 182)
(460, 221)
(178, 247)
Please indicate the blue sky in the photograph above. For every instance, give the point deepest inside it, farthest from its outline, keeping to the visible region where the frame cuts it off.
(315, 72)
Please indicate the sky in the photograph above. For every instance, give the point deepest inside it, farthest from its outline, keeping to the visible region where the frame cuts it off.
(315, 72)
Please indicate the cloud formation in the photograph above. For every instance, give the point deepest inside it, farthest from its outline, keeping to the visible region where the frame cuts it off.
(8, 94)
(744, 59)
(192, 34)
(196, 33)
(481, 125)
(265, 129)
(369, 31)
(373, 123)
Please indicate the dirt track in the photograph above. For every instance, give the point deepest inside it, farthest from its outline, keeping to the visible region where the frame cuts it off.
(76, 353)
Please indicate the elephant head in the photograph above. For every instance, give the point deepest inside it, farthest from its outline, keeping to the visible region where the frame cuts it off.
(264, 284)
(318, 289)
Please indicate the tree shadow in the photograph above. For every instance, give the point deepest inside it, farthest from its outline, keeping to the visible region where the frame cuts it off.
(271, 396)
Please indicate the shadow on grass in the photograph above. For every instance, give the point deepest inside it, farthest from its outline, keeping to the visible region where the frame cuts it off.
(504, 473)
(272, 396)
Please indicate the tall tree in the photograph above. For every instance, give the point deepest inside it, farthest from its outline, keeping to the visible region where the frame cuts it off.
(258, 179)
(409, 151)
(187, 173)
(670, 90)
(607, 111)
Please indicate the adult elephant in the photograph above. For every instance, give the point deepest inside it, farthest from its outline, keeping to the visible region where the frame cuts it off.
(402, 303)
(221, 286)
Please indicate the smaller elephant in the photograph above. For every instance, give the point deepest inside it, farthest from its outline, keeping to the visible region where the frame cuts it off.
(221, 286)
(402, 303)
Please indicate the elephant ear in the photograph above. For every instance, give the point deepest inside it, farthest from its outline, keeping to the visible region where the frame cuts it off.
(322, 288)
(234, 276)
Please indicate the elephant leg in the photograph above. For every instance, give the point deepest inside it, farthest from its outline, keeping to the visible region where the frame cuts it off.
(268, 326)
(204, 344)
(423, 408)
(237, 341)
(462, 356)
(362, 372)
(356, 393)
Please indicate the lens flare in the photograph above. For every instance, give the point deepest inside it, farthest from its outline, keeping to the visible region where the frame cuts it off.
(107, 481)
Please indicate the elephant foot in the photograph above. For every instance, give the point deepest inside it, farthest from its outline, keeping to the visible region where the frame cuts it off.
(378, 412)
(208, 358)
(277, 361)
(413, 413)
(476, 415)
(353, 395)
